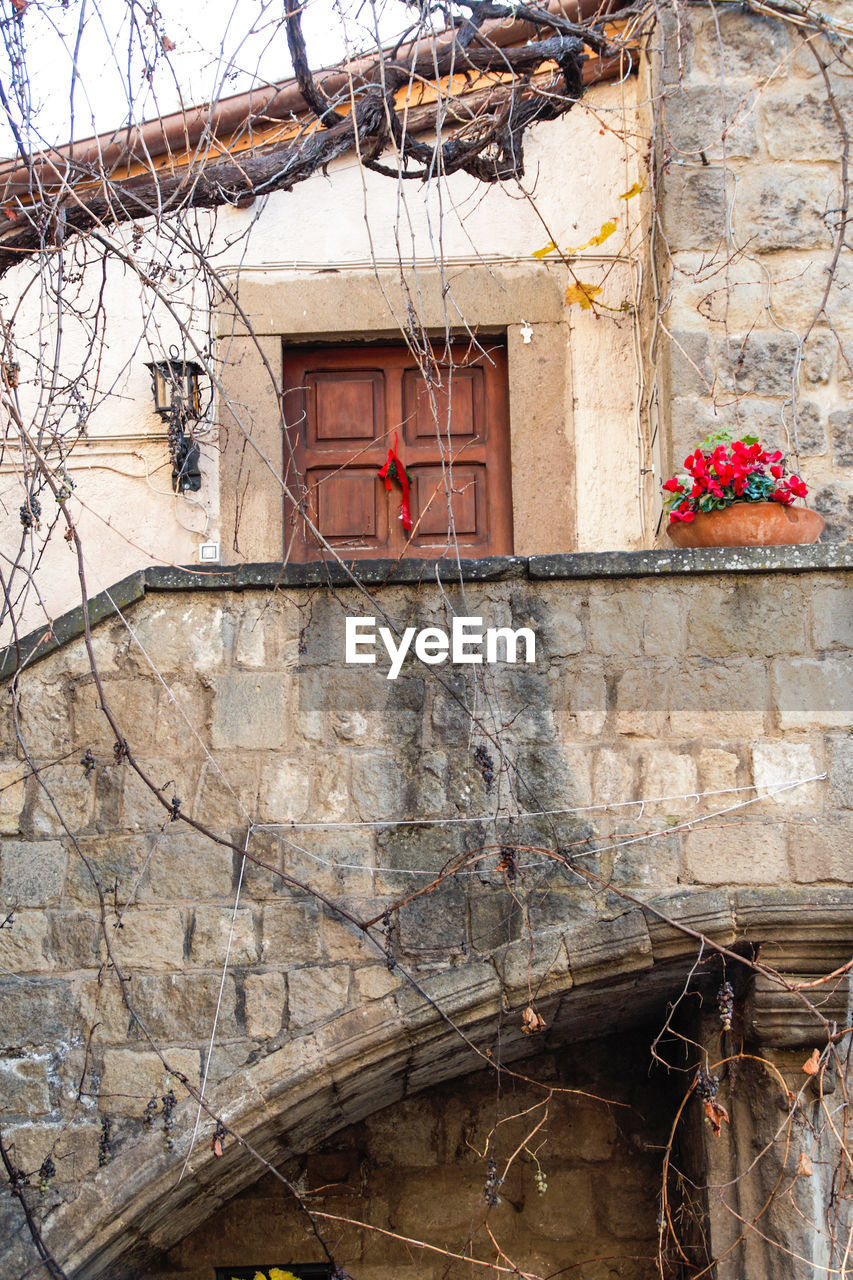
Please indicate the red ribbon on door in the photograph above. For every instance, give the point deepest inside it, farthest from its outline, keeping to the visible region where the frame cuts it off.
(394, 470)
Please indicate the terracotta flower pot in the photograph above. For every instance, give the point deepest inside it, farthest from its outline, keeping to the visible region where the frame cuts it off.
(749, 524)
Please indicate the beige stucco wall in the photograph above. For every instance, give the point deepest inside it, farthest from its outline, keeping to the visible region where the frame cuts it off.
(576, 169)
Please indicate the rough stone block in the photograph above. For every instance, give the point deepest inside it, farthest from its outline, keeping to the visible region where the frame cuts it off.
(692, 372)
(612, 777)
(42, 714)
(840, 750)
(75, 940)
(267, 634)
(184, 632)
(12, 796)
(180, 1007)
(841, 432)
(23, 943)
(68, 806)
(253, 710)
(434, 924)
(581, 700)
(700, 119)
(133, 702)
(810, 435)
(183, 718)
(33, 872)
(141, 809)
(546, 1215)
(291, 934)
(803, 125)
(748, 853)
(718, 771)
(228, 784)
(781, 206)
(560, 631)
(722, 699)
(379, 786)
(669, 782)
(331, 791)
(284, 790)
(374, 982)
(813, 693)
(210, 932)
(835, 504)
(102, 1001)
(316, 995)
(23, 1086)
(151, 938)
(75, 1154)
(820, 355)
(743, 617)
(779, 764)
(694, 208)
(642, 700)
(821, 850)
(635, 1204)
(131, 1077)
(759, 363)
(266, 1001)
(741, 46)
(20, 996)
(184, 865)
(496, 918)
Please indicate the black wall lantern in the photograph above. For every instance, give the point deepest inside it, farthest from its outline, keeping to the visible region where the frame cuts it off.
(177, 399)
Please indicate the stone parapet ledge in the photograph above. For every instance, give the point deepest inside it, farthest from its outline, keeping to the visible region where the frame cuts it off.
(374, 574)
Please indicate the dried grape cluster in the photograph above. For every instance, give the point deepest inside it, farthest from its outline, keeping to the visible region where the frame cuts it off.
(726, 1005)
(104, 1149)
(486, 765)
(493, 1182)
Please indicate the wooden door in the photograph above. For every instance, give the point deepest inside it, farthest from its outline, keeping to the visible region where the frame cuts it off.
(342, 407)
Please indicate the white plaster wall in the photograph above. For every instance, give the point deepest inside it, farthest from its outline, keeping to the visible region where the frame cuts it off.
(123, 505)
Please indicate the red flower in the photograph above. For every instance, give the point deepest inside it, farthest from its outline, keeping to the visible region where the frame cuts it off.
(796, 485)
(672, 486)
(776, 472)
(782, 495)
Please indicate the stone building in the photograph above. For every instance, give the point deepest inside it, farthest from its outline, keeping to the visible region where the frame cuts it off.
(531, 967)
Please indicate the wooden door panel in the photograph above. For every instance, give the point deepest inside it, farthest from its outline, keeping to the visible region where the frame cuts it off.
(342, 408)
(344, 506)
(468, 503)
(459, 397)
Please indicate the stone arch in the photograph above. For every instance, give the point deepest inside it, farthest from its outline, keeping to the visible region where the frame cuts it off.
(589, 980)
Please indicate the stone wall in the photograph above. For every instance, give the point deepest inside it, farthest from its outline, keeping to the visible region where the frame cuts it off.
(756, 274)
(678, 756)
(418, 1171)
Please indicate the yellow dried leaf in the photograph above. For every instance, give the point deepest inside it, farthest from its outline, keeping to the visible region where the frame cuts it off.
(543, 253)
(812, 1064)
(804, 1165)
(583, 294)
(633, 191)
(604, 234)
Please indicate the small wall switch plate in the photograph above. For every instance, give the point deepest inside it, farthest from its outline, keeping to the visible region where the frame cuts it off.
(208, 553)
